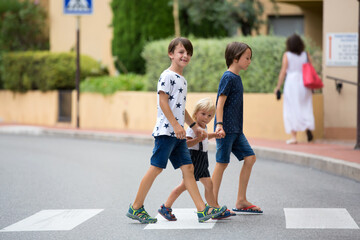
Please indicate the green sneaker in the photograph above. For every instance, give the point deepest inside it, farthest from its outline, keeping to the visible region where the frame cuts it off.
(215, 212)
(140, 214)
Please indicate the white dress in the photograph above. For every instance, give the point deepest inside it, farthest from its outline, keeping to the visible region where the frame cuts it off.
(298, 108)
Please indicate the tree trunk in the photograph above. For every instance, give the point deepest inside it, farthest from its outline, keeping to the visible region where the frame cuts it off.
(176, 17)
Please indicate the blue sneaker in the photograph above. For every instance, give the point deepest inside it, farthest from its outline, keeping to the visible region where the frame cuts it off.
(140, 214)
(225, 214)
(166, 213)
(215, 212)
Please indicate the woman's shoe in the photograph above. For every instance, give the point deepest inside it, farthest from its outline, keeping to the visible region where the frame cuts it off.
(291, 141)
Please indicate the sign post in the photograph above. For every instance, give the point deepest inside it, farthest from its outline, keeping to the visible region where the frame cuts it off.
(357, 145)
(78, 8)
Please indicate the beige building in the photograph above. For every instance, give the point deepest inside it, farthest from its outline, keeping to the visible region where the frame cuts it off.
(317, 19)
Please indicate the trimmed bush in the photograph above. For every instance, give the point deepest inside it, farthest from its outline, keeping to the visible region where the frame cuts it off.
(134, 23)
(109, 85)
(208, 63)
(22, 71)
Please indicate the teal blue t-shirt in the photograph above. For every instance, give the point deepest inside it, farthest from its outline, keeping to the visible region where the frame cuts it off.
(231, 86)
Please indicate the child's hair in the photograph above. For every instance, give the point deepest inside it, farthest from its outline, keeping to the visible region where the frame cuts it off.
(294, 44)
(205, 104)
(235, 50)
(184, 41)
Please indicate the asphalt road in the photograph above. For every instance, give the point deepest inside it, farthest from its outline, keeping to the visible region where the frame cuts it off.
(42, 173)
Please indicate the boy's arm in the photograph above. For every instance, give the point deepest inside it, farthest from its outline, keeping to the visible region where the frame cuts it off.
(212, 135)
(219, 115)
(192, 141)
(164, 105)
(199, 132)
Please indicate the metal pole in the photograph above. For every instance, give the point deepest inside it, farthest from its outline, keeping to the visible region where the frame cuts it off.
(77, 71)
(357, 145)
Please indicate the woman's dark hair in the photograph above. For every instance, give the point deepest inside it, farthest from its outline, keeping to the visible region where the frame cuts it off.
(295, 44)
(184, 41)
(234, 50)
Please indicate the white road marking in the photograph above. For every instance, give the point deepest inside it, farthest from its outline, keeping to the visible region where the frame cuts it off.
(186, 219)
(53, 220)
(319, 218)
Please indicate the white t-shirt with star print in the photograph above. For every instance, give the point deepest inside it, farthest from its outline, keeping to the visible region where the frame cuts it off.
(175, 86)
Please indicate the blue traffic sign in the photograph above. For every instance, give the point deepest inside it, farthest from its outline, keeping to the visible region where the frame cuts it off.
(78, 7)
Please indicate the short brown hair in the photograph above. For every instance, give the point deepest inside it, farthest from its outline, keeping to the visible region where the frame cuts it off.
(184, 41)
(295, 44)
(235, 50)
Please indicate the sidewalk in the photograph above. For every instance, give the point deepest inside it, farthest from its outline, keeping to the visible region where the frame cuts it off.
(338, 158)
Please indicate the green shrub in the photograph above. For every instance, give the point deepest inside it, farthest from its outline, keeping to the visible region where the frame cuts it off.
(134, 23)
(22, 26)
(109, 85)
(22, 71)
(208, 63)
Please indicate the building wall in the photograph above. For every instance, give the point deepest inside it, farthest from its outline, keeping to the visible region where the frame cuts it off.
(340, 109)
(34, 107)
(136, 111)
(95, 31)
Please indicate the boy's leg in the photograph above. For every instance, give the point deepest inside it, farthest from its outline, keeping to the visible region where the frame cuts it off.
(175, 193)
(209, 191)
(191, 186)
(145, 186)
(204, 212)
(165, 209)
(243, 150)
(217, 178)
(245, 173)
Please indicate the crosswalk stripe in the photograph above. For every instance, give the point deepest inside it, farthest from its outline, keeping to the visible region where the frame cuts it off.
(53, 220)
(319, 218)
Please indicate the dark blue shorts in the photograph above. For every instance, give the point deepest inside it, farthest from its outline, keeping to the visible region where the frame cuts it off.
(235, 143)
(166, 148)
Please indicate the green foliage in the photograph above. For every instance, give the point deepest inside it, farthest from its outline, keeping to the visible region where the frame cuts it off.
(246, 14)
(9, 5)
(22, 26)
(208, 63)
(134, 24)
(109, 85)
(203, 18)
(43, 70)
(211, 18)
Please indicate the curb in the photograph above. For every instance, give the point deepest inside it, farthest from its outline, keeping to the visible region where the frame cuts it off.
(331, 165)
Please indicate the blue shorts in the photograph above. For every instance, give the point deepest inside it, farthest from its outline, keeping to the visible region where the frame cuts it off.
(235, 143)
(167, 147)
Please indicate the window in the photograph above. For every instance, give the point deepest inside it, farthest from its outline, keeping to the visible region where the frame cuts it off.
(286, 25)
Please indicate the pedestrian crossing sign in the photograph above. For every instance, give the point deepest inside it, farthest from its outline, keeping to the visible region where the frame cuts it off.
(78, 7)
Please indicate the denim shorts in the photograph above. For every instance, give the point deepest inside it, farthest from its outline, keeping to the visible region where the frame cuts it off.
(235, 143)
(167, 147)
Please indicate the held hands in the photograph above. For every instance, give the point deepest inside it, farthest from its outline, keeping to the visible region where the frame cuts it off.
(220, 133)
(199, 132)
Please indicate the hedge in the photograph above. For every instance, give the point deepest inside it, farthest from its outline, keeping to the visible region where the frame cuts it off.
(208, 63)
(108, 85)
(22, 71)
